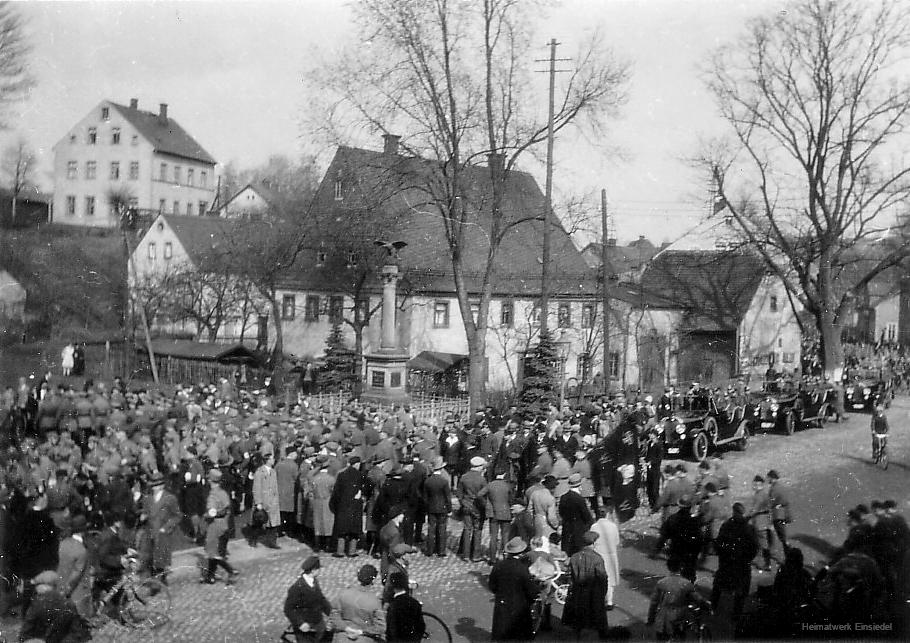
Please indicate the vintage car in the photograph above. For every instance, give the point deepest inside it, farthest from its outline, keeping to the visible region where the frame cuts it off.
(864, 388)
(787, 407)
(698, 425)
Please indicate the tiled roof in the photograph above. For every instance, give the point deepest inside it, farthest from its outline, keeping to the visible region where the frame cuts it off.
(715, 289)
(394, 189)
(165, 135)
(198, 235)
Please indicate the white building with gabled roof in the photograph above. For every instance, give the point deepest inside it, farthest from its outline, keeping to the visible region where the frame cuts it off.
(146, 156)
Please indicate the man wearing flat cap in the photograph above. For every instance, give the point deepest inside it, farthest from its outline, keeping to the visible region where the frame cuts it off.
(306, 607)
(472, 508)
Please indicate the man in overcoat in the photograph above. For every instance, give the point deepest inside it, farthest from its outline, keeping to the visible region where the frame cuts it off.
(437, 497)
(162, 515)
(265, 497)
(346, 503)
(287, 471)
(736, 546)
(498, 494)
(74, 569)
(513, 592)
(586, 603)
(575, 516)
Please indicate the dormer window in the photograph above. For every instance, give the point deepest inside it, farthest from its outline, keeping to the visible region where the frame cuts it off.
(320, 258)
(339, 195)
(105, 113)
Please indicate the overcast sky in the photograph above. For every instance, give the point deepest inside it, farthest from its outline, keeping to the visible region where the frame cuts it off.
(230, 72)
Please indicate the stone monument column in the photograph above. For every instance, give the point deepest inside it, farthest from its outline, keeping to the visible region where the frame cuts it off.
(389, 340)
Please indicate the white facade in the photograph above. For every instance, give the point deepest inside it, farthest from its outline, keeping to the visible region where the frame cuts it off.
(105, 152)
(246, 202)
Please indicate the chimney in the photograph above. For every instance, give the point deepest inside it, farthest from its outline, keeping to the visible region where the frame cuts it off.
(611, 242)
(162, 113)
(390, 144)
(641, 237)
(496, 161)
(134, 104)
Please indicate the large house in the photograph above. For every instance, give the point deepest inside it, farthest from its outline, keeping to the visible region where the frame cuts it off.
(145, 157)
(251, 201)
(712, 312)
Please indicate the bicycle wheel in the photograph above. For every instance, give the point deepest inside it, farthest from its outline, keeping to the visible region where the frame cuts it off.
(436, 629)
(147, 605)
(883, 458)
(561, 593)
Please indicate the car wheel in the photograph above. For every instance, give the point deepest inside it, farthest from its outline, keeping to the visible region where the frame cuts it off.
(711, 430)
(700, 446)
(789, 424)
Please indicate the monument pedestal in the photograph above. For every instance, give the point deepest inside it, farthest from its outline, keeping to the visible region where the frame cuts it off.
(387, 377)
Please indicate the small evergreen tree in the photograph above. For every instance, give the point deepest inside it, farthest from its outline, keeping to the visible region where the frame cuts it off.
(338, 374)
(539, 386)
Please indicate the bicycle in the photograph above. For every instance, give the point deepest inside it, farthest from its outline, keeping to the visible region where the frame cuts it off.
(435, 629)
(880, 450)
(554, 588)
(140, 603)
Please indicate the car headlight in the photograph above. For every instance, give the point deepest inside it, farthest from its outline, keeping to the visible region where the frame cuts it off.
(849, 390)
(774, 408)
(867, 392)
(680, 428)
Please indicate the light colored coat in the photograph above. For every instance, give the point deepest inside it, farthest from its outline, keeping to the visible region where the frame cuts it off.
(323, 518)
(265, 493)
(75, 575)
(543, 508)
(287, 471)
(607, 545)
(162, 515)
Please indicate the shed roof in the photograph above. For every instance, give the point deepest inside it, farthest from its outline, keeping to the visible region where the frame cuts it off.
(201, 351)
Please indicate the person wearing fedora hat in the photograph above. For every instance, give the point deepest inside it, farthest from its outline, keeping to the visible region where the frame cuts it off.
(542, 506)
(74, 568)
(346, 504)
(218, 506)
(586, 603)
(684, 537)
(437, 498)
(162, 515)
(514, 590)
(575, 516)
(468, 492)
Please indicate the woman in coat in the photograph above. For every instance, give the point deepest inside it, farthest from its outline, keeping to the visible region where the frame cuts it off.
(585, 605)
(323, 519)
(514, 589)
(265, 497)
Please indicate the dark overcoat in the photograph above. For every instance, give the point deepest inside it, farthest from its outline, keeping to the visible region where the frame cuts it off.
(586, 603)
(736, 545)
(347, 502)
(513, 590)
(575, 514)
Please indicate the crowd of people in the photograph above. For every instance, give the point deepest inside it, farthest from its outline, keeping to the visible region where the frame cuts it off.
(91, 474)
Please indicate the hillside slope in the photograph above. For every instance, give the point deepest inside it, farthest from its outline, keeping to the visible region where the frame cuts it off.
(76, 282)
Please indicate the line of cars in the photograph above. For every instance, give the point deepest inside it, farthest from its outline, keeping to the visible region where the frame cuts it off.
(702, 420)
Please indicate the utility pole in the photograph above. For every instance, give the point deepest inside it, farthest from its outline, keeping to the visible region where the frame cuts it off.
(604, 263)
(548, 212)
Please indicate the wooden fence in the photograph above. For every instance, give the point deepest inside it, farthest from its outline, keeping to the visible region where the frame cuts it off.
(424, 407)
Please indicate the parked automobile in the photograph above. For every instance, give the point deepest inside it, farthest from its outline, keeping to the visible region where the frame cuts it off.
(773, 407)
(865, 388)
(698, 426)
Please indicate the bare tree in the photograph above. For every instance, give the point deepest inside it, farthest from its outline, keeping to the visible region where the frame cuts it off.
(456, 77)
(15, 50)
(18, 164)
(817, 101)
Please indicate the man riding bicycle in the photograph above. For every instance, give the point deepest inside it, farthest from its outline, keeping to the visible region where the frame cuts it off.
(879, 428)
